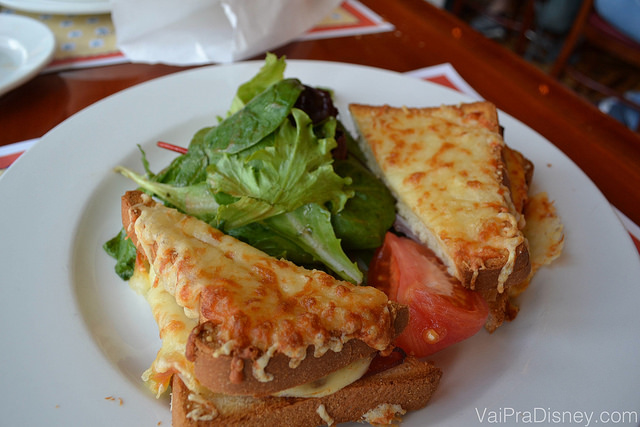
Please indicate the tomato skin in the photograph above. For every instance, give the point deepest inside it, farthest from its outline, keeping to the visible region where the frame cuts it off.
(441, 311)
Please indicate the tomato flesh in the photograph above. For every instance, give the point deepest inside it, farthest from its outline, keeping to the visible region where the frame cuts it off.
(442, 312)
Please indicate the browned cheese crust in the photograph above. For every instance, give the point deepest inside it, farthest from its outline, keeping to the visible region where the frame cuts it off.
(234, 371)
(233, 374)
(433, 160)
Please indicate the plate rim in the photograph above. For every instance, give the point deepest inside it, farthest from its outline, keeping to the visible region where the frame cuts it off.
(35, 151)
(59, 7)
(33, 65)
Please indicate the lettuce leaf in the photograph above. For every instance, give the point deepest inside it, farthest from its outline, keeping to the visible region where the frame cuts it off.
(250, 125)
(263, 174)
(187, 169)
(270, 73)
(124, 251)
(369, 213)
(294, 171)
(197, 200)
(310, 228)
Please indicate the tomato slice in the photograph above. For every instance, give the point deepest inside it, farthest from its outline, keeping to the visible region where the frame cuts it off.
(442, 312)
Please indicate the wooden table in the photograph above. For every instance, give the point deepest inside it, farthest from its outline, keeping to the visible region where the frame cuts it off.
(423, 36)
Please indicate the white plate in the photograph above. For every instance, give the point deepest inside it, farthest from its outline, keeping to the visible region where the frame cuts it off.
(26, 46)
(61, 7)
(74, 335)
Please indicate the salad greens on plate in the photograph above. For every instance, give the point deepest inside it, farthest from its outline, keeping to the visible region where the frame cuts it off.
(279, 172)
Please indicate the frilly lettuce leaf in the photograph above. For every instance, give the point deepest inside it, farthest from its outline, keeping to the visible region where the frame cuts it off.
(264, 174)
(294, 171)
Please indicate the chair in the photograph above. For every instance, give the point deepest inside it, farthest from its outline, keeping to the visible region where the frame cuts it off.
(589, 27)
(519, 21)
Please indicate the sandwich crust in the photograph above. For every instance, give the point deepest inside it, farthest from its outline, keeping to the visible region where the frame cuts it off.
(260, 318)
(447, 168)
(378, 398)
(233, 374)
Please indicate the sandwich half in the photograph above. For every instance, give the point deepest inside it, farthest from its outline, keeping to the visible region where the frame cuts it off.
(459, 189)
(248, 339)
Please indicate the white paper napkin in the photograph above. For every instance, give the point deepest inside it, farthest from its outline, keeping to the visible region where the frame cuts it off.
(194, 32)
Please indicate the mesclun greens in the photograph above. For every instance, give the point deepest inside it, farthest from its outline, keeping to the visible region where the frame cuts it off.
(266, 174)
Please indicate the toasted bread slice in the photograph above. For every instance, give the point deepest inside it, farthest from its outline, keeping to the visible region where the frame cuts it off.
(233, 374)
(519, 173)
(446, 169)
(263, 314)
(378, 399)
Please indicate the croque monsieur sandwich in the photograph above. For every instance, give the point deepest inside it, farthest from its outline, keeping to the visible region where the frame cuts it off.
(251, 340)
(463, 193)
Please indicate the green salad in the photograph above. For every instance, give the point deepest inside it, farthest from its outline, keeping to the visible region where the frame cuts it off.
(280, 172)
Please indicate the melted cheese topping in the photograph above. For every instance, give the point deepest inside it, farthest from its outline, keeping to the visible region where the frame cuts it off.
(254, 299)
(384, 414)
(201, 410)
(331, 383)
(174, 329)
(544, 230)
(545, 233)
(175, 326)
(444, 168)
(322, 413)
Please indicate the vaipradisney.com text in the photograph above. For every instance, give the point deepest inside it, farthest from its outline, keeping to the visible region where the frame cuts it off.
(540, 415)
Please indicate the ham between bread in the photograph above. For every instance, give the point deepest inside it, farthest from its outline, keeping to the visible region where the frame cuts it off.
(255, 308)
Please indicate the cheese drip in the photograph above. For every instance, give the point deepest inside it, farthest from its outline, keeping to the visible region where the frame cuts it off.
(174, 328)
